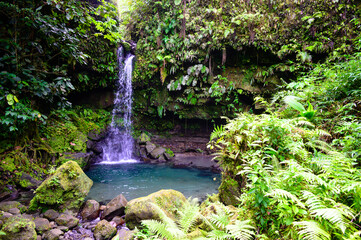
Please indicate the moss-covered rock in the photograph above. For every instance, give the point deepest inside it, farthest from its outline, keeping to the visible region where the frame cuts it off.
(65, 189)
(6, 206)
(229, 190)
(104, 230)
(141, 208)
(18, 228)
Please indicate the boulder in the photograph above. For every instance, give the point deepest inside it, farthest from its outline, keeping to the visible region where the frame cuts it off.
(91, 210)
(6, 206)
(67, 220)
(157, 152)
(229, 191)
(82, 159)
(65, 189)
(124, 234)
(141, 208)
(41, 225)
(28, 182)
(53, 234)
(18, 228)
(115, 207)
(104, 230)
(96, 136)
(4, 216)
(117, 221)
(150, 147)
(14, 211)
(51, 214)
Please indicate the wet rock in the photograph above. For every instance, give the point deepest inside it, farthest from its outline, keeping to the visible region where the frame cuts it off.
(18, 228)
(150, 147)
(4, 196)
(28, 182)
(157, 153)
(53, 234)
(41, 224)
(124, 234)
(115, 207)
(4, 216)
(104, 230)
(63, 228)
(51, 214)
(142, 208)
(65, 189)
(229, 190)
(67, 220)
(14, 211)
(91, 210)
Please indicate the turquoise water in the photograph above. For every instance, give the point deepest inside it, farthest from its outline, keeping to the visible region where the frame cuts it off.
(135, 180)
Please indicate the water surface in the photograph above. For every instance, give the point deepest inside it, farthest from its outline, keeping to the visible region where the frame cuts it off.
(135, 180)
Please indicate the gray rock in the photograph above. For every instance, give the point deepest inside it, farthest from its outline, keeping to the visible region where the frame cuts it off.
(115, 207)
(51, 214)
(150, 147)
(28, 182)
(53, 234)
(27, 216)
(14, 211)
(143, 138)
(4, 216)
(104, 230)
(157, 152)
(39, 237)
(90, 210)
(96, 136)
(63, 228)
(118, 221)
(18, 228)
(142, 152)
(41, 225)
(67, 220)
(124, 234)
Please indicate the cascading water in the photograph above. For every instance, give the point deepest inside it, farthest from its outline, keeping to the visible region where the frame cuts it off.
(119, 144)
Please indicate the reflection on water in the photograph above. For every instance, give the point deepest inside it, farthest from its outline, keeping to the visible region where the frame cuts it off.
(140, 179)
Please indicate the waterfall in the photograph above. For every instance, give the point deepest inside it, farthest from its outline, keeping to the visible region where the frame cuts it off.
(119, 143)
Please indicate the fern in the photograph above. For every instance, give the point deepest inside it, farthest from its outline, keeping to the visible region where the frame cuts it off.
(311, 230)
(241, 230)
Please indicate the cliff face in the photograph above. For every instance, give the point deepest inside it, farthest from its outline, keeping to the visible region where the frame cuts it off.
(204, 59)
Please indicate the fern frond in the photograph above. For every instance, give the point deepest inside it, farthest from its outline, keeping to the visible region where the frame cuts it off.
(189, 214)
(304, 123)
(312, 178)
(313, 202)
(333, 215)
(280, 193)
(162, 230)
(241, 230)
(311, 230)
(218, 235)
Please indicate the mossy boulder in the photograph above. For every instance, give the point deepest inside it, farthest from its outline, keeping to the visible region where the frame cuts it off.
(18, 228)
(65, 189)
(104, 230)
(229, 191)
(6, 206)
(141, 208)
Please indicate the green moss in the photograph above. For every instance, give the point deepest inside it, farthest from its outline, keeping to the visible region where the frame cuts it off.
(169, 152)
(66, 189)
(229, 191)
(19, 228)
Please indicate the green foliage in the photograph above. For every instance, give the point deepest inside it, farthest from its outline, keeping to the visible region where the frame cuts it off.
(292, 101)
(291, 186)
(45, 55)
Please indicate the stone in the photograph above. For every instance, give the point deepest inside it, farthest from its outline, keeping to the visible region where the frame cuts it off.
(96, 136)
(115, 207)
(65, 189)
(90, 210)
(104, 230)
(102, 207)
(4, 196)
(124, 234)
(51, 214)
(118, 221)
(4, 216)
(41, 225)
(14, 211)
(38, 237)
(27, 216)
(150, 147)
(143, 138)
(6, 206)
(18, 228)
(157, 152)
(67, 220)
(142, 208)
(63, 228)
(53, 234)
(83, 159)
(28, 182)
(229, 190)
